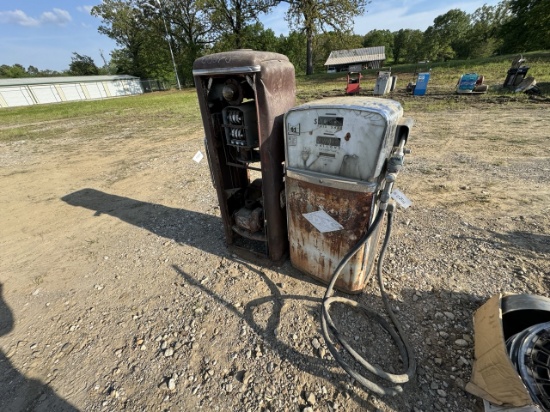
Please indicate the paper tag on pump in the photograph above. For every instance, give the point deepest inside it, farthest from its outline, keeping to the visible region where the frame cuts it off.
(400, 198)
(198, 156)
(323, 222)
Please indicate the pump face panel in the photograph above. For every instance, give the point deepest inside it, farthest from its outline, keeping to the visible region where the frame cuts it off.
(336, 142)
(336, 151)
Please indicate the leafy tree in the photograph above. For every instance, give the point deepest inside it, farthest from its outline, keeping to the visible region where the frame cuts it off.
(375, 38)
(528, 27)
(253, 36)
(125, 23)
(314, 16)
(445, 39)
(406, 45)
(294, 47)
(82, 66)
(12, 72)
(482, 38)
(33, 71)
(232, 16)
(176, 27)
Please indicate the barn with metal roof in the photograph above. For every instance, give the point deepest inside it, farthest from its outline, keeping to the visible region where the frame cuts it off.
(29, 91)
(367, 57)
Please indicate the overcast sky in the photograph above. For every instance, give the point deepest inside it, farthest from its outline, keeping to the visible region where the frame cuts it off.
(46, 33)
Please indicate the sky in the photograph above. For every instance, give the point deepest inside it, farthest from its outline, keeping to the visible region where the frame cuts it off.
(45, 33)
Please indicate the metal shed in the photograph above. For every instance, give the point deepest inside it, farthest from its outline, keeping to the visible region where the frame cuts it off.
(28, 91)
(341, 60)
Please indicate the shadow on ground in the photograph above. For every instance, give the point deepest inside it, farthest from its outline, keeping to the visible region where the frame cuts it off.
(18, 393)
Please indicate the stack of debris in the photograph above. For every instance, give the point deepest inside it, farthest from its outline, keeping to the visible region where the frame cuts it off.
(516, 79)
(471, 83)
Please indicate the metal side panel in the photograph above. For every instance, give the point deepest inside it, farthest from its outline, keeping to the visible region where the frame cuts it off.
(72, 92)
(16, 96)
(318, 254)
(45, 93)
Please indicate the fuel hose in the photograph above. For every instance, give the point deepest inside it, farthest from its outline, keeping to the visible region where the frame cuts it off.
(395, 331)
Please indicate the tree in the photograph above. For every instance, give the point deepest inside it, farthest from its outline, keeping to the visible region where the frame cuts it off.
(445, 39)
(313, 16)
(82, 66)
(132, 29)
(294, 47)
(253, 36)
(482, 39)
(528, 27)
(232, 16)
(413, 47)
(14, 71)
(33, 71)
(190, 31)
(407, 45)
(375, 38)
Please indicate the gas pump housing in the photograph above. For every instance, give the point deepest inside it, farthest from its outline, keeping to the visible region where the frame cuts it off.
(243, 96)
(337, 152)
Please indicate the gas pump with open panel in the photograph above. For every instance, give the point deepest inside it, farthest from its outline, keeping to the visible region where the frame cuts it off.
(243, 96)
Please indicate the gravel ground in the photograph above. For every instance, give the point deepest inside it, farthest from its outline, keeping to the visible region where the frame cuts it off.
(119, 293)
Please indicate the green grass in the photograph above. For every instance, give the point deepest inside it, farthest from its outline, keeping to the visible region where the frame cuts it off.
(152, 105)
(153, 110)
(137, 115)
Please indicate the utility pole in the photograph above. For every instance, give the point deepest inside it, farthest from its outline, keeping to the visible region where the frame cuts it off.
(169, 39)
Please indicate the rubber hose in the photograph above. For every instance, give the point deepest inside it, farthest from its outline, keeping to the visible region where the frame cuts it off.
(397, 334)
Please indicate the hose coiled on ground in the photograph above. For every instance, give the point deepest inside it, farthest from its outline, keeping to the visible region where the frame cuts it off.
(397, 334)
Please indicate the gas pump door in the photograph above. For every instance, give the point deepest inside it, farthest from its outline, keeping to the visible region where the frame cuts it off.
(336, 151)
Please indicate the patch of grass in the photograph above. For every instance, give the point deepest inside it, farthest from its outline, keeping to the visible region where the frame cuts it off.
(31, 133)
(147, 114)
(151, 111)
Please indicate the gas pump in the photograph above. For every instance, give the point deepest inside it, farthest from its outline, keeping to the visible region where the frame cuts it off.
(337, 152)
(243, 96)
(342, 159)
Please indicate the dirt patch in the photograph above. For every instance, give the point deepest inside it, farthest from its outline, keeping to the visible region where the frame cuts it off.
(118, 291)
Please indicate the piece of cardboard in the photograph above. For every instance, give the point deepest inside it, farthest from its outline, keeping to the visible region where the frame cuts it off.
(489, 407)
(494, 377)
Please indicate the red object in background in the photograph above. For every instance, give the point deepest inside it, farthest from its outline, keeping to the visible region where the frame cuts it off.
(354, 80)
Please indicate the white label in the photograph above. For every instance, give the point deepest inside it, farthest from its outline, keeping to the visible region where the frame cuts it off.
(198, 157)
(323, 222)
(401, 199)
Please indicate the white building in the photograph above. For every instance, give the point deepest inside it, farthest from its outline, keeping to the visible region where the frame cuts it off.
(28, 91)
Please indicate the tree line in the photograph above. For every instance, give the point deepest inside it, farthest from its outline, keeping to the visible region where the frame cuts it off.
(149, 32)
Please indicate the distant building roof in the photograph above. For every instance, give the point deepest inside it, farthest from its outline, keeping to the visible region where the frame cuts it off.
(62, 79)
(366, 54)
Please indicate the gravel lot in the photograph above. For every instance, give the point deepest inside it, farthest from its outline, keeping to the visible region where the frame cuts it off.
(118, 292)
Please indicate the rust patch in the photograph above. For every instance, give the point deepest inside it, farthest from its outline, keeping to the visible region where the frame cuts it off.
(317, 254)
(347, 136)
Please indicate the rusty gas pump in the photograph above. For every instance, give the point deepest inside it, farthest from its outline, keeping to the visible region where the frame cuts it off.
(243, 96)
(342, 159)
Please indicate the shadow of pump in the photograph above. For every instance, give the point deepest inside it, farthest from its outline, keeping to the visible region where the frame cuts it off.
(189, 228)
(183, 226)
(18, 393)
